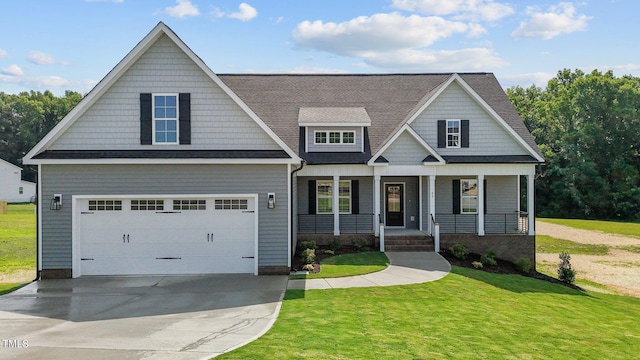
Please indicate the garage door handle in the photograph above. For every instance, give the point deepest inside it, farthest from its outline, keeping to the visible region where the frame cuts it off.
(125, 238)
(86, 259)
(168, 258)
(248, 257)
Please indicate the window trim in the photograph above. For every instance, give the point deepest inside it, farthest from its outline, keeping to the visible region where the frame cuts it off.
(463, 196)
(318, 197)
(154, 119)
(327, 137)
(458, 134)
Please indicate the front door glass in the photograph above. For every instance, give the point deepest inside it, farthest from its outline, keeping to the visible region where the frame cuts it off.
(394, 201)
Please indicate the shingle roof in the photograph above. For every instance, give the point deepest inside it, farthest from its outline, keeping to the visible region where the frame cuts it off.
(388, 99)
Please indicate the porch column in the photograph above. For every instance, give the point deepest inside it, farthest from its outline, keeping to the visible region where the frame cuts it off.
(432, 202)
(376, 204)
(481, 205)
(531, 203)
(336, 205)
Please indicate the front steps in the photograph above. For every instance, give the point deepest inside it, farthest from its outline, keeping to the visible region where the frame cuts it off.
(408, 243)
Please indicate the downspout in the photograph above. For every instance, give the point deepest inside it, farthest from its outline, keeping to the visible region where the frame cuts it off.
(37, 201)
(293, 251)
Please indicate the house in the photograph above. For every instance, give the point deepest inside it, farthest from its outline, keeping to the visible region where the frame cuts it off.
(168, 168)
(12, 188)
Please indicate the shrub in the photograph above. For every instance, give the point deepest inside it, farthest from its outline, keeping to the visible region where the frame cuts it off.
(306, 244)
(308, 267)
(477, 264)
(309, 256)
(329, 252)
(523, 264)
(334, 245)
(460, 251)
(565, 272)
(359, 243)
(489, 259)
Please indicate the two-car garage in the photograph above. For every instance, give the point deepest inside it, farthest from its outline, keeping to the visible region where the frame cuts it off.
(177, 234)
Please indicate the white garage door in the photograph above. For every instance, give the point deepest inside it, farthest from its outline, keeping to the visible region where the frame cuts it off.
(160, 235)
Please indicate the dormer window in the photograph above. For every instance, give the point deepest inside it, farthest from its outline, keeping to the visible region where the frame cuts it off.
(334, 137)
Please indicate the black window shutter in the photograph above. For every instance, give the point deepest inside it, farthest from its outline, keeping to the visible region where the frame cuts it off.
(146, 118)
(456, 196)
(484, 182)
(464, 133)
(355, 197)
(184, 118)
(312, 197)
(442, 133)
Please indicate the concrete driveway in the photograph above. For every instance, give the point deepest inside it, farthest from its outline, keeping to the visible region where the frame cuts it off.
(150, 317)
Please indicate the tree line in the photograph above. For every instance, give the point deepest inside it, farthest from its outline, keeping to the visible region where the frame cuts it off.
(27, 117)
(588, 128)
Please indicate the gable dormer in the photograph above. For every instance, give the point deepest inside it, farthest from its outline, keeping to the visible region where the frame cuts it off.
(333, 129)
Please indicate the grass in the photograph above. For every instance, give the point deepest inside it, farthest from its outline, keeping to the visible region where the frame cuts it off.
(17, 239)
(629, 248)
(468, 314)
(609, 227)
(551, 245)
(6, 288)
(349, 265)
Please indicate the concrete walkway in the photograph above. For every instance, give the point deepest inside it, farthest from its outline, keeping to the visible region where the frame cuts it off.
(406, 268)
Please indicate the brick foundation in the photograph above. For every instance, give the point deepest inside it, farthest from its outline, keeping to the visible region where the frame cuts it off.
(345, 239)
(55, 274)
(273, 270)
(506, 246)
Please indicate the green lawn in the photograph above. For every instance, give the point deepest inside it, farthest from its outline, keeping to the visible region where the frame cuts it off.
(610, 227)
(18, 239)
(349, 265)
(469, 314)
(551, 245)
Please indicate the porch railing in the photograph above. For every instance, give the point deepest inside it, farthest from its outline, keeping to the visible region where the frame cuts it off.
(507, 223)
(323, 223)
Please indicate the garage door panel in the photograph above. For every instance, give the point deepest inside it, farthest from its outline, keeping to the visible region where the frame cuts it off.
(191, 239)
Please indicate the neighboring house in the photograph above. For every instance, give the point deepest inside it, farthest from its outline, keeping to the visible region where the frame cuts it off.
(168, 168)
(12, 188)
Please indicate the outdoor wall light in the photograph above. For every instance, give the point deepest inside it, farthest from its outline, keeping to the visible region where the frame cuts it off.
(271, 201)
(56, 202)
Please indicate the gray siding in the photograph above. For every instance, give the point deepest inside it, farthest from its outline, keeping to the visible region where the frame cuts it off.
(113, 121)
(356, 147)
(164, 179)
(486, 136)
(406, 150)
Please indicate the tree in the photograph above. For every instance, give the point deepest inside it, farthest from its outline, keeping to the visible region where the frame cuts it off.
(26, 118)
(588, 128)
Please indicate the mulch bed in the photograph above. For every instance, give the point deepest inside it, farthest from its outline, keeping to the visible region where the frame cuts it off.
(297, 263)
(503, 267)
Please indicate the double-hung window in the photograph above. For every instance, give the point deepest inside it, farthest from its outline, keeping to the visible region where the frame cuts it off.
(469, 196)
(165, 118)
(453, 133)
(324, 196)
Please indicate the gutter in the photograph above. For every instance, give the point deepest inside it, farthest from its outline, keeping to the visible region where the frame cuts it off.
(293, 250)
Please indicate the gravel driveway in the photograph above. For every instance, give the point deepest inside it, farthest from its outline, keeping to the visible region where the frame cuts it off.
(618, 270)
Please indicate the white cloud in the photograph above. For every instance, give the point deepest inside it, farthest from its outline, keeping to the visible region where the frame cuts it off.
(182, 9)
(12, 70)
(3, 54)
(40, 58)
(245, 12)
(539, 79)
(557, 20)
(485, 10)
(47, 83)
(472, 59)
(379, 32)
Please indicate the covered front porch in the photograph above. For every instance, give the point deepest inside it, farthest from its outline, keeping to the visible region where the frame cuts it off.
(458, 204)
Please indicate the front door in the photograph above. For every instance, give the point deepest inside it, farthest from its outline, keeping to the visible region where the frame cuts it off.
(394, 204)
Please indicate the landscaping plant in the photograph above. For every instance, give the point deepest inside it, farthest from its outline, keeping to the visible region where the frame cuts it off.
(460, 251)
(565, 272)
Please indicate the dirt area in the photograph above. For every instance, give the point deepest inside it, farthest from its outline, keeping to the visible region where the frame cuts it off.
(619, 270)
(18, 276)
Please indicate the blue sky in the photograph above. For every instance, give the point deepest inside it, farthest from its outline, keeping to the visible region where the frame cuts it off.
(72, 44)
